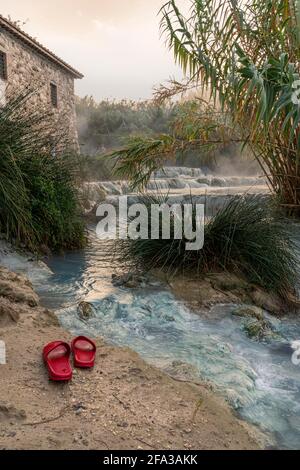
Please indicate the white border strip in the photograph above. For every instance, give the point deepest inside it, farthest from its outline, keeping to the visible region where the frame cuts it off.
(2, 353)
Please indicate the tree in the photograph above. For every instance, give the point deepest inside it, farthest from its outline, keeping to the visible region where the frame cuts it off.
(246, 54)
(196, 126)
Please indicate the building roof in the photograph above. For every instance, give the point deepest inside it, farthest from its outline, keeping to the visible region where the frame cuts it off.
(34, 44)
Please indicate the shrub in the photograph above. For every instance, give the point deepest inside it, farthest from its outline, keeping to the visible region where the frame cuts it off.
(38, 195)
(103, 125)
(96, 168)
(247, 236)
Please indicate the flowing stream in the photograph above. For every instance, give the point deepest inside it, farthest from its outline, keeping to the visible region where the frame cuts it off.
(258, 378)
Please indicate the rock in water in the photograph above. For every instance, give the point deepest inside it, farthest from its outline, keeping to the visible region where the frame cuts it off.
(268, 301)
(248, 311)
(85, 310)
(256, 325)
(258, 329)
(130, 280)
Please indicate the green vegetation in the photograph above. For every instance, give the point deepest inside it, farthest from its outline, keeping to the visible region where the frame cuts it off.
(142, 136)
(244, 56)
(197, 130)
(38, 195)
(103, 126)
(246, 237)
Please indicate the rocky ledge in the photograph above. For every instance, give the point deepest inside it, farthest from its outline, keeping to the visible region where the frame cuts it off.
(203, 292)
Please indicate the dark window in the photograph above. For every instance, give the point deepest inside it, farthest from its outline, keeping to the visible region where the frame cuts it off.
(3, 66)
(53, 89)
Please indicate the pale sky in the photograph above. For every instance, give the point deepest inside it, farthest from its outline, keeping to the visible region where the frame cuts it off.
(114, 43)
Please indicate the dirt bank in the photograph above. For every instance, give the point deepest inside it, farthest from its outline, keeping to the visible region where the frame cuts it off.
(122, 404)
(200, 293)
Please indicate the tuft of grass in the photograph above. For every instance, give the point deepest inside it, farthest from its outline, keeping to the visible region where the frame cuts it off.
(247, 236)
(38, 178)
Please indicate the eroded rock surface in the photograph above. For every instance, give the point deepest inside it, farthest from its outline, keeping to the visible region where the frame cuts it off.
(225, 288)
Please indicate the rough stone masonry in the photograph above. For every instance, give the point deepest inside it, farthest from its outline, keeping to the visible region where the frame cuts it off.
(25, 62)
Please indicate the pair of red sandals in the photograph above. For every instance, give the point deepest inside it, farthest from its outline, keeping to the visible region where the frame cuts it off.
(57, 354)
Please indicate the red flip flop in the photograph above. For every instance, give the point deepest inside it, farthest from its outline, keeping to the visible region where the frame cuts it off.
(84, 351)
(56, 356)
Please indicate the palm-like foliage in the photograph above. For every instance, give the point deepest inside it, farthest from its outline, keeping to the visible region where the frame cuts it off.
(246, 53)
(195, 125)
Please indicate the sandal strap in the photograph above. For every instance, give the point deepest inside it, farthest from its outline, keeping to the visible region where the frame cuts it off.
(83, 338)
(54, 345)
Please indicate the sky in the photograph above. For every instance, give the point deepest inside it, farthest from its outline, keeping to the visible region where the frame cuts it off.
(115, 43)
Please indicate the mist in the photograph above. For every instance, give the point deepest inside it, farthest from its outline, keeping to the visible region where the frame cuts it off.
(116, 44)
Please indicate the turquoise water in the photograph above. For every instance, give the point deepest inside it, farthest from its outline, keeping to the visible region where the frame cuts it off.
(258, 378)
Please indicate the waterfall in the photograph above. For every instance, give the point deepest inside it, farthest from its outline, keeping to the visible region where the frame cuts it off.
(179, 183)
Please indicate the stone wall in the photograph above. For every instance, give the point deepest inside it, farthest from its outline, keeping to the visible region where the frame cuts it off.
(27, 67)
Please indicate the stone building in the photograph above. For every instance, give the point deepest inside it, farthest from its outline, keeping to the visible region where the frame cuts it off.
(24, 62)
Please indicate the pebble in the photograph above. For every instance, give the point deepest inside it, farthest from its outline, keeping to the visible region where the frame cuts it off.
(79, 406)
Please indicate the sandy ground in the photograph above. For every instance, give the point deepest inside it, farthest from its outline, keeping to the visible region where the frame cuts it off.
(123, 403)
